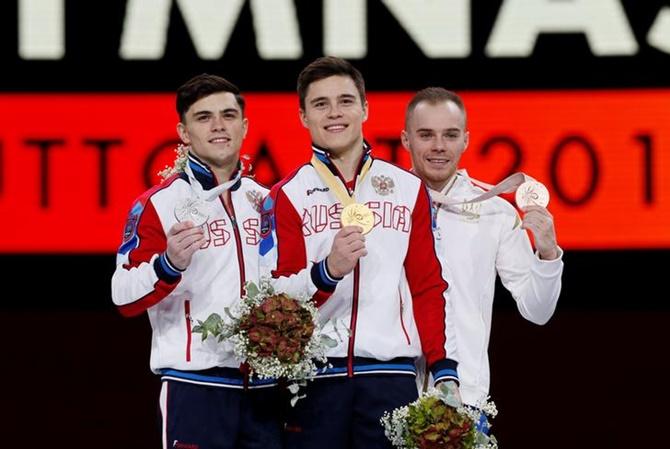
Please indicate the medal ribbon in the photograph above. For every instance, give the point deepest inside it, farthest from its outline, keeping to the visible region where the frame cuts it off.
(338, 189)
(507, 185)
(211, 194)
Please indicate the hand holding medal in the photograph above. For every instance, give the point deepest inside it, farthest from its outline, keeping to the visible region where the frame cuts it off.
(356, 220)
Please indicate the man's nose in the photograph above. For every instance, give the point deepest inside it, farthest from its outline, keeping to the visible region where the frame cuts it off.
(334, 111)
(218, 124)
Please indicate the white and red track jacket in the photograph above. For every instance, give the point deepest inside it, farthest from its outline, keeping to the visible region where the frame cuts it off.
(476, 241)
(145, 280)
(393, 303)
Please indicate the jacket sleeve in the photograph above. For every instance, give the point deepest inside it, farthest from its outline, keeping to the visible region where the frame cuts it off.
(143, 275)
(284, 255)
(429, 296)
(535, 284)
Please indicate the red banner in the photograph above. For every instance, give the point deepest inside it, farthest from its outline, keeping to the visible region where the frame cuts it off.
(71, 164)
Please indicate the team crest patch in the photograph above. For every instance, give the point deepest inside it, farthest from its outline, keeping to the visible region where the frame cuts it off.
(256, 199)
(130, 228)
(383, 185)
(266, 224)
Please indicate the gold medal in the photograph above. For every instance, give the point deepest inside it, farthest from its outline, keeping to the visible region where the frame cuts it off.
(358, 215)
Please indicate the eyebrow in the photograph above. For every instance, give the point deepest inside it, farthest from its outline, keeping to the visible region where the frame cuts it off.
(317, 99)
(324, 98)
(432, 130)
(208, 112)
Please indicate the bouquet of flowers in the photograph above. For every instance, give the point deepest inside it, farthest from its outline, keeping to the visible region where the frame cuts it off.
(438, 420)
(278, 336)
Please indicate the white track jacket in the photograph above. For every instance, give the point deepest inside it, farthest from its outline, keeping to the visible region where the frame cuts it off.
(476, 242)
(393, 302)
(145, 280)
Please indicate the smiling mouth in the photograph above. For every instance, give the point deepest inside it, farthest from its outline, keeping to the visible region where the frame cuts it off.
(335, 128)
(219, 140)
(438, 161)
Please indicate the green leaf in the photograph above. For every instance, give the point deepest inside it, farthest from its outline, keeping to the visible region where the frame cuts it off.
(252, 290)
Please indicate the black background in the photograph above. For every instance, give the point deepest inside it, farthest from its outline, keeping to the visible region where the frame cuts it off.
(77, 374)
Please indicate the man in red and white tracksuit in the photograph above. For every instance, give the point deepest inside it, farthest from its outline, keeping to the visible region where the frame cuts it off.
(381, 295)
(179, 273)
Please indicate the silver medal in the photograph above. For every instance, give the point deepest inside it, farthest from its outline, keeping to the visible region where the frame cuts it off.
(192, 209)
(532, 193)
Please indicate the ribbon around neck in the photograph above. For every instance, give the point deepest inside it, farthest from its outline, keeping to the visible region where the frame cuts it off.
(338, 189)
(211, 194)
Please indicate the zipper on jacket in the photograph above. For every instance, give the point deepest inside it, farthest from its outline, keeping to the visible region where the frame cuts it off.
(238, 239)
(402, 321)
(187, 315)
(352, 324)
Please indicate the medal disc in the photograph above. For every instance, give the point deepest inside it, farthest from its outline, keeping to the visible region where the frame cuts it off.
(532, 193)
(192, 209)
(358, 215)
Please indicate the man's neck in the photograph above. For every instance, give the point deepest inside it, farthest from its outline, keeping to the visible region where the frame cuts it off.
(223, 174)
(440, 186)
(348, 160)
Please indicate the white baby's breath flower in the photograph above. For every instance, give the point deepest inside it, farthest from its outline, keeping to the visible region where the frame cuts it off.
(179, 163)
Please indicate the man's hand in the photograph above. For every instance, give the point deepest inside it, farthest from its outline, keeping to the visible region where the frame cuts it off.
(451, 390)
(348, 247)
(183, 240)
(540, 223)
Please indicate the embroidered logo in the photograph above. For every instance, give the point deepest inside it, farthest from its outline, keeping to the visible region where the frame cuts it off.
(317, 189)
(256, 199)
(383, 185)
(471, 211)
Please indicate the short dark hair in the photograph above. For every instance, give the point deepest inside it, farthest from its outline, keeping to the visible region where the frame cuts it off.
(201, 86)
(325, 67)
(434, 95)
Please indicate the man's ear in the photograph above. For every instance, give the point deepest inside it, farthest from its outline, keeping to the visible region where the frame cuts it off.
(183, 133)
(467, 140)
(303, 118)
(245, 125)
(404, 139)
